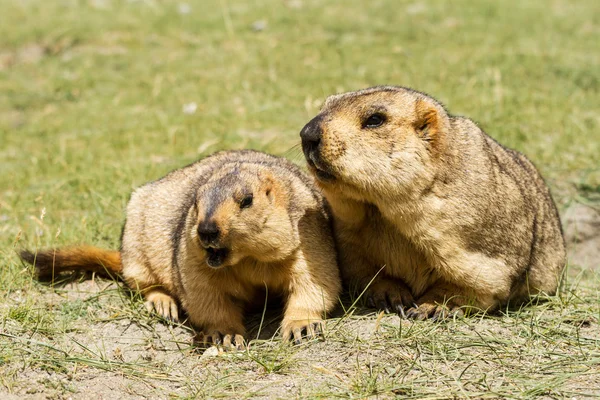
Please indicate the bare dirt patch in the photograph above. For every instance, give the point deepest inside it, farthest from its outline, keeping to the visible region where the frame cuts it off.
(582, 233)
(91, 339)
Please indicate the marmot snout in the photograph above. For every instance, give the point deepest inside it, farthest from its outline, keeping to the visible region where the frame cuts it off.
(240, 211)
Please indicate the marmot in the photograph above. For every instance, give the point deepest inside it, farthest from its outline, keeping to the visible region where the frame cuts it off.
(428, 207)
(213, 236)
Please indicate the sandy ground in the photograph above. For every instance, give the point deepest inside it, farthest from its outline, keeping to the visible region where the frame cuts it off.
(582, 231)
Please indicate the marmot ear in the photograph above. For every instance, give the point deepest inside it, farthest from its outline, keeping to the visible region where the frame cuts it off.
(268, 181)
(195, 202)
(269, 191)
(427, 122)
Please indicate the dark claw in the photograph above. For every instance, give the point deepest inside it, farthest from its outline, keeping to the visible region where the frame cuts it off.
(370, 302)
(318, 329)
(416, 314)
(438, 316)
(400, 310)
(382, 305)
(216, 338)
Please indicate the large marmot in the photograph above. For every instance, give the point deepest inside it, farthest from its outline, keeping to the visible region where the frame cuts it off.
(430, 209)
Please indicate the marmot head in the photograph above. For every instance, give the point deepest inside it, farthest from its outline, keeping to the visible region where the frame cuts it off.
(375, 143)
(242, 213)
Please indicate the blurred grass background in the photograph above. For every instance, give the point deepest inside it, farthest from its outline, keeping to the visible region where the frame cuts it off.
(92, 92)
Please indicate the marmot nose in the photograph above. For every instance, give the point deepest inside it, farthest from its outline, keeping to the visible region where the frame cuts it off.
(311, 134)
(208, 232)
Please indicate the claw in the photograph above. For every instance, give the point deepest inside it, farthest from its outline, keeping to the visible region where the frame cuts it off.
(310, 331)
(159, 309)
(382, 305)
(228, 342)
(297, 336)
(213, 338)
(302, 330)
(400, 310)
(370, 302)
(162, 304)
(174, 312)
(318, 329)
(149, 306)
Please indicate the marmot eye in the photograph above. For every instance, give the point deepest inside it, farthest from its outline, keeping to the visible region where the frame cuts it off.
(374, 121)
(246, 201)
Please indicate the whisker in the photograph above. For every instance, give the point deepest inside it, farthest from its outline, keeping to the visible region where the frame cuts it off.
(294, 153)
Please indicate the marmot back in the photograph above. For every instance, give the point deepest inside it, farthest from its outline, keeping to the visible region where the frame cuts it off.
(455, 219)
(212, 235)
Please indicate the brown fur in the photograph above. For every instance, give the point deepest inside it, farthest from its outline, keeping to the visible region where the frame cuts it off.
(51, 263)
(452, 218)
(280, 240)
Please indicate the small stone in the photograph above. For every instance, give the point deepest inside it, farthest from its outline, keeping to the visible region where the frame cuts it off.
(416, 8)
(184, 8)
(259, 25)
(296, 4)
(190, 108)
(211, 352)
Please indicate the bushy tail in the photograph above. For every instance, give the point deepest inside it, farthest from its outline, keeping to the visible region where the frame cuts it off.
(49, 263)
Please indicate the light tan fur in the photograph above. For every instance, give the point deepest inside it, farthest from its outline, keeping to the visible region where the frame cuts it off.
(281, 242)
(428, 208)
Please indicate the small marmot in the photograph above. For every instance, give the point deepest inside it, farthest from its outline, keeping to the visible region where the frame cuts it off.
(428, 208)
(213, 236)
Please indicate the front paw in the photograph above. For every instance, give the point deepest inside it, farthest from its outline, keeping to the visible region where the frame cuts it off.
(434, 311)
(229, 341)
(306, 329)
(163, 304)
(389, 295)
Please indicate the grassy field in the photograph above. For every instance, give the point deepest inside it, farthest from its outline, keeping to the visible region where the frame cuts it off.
(99, 97)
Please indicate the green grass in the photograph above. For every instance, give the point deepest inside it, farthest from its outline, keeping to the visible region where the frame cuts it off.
(91, 106)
